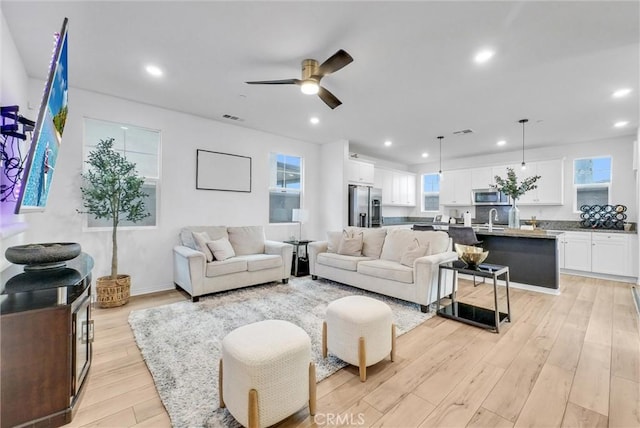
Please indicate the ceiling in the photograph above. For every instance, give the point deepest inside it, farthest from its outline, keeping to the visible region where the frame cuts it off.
(413, 77)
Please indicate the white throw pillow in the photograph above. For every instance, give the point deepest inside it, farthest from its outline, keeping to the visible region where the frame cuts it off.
(201, 239)
(414, 252)
(333, 241)
(350, 244)
(221, 249)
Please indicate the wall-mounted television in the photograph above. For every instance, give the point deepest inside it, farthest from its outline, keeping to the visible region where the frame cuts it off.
(47, 133)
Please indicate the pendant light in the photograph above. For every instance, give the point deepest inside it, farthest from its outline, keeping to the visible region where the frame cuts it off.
(523, 121)
(440, 171)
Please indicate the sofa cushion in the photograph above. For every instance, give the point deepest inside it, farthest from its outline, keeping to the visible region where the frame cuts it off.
(414, 252)
(396, 243)
(201, 239)
(339, 261)
(386, 269)
(333, 240)
(247, 239)
(225, 267)
(221, 249)
(373, 240)
(187, 239)
(350, 244)
(261, 261)
(438, 240)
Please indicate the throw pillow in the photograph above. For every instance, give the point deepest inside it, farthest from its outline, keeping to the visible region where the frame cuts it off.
(221, 249)
(373, 239)
(186, 239)
(350, 245)
(333, 241)
(201, 239)
(414, 252)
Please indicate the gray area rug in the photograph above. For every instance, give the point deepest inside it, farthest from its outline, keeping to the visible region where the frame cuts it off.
(181, 342)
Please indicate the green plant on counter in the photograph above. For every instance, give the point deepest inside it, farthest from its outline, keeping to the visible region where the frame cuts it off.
(510, 186)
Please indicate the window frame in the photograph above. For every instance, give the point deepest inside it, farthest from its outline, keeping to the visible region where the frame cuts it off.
(576, 186)
(86, 148)
(274, 188)
(423, 193)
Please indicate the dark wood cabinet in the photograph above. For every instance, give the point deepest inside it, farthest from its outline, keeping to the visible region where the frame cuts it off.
(46, 332)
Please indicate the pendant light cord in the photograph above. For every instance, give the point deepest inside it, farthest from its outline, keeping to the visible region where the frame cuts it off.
(440, 138)
(523, 121)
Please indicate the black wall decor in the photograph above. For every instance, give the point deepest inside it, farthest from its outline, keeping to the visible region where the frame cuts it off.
(603, 216)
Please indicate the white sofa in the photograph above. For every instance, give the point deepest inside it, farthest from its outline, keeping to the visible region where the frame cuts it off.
(379, 268)
(254, 260)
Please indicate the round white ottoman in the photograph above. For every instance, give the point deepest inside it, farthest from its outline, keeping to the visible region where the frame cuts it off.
(266, 373)
(360, 331)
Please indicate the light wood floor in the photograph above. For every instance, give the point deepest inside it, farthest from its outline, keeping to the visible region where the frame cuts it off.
(571, 360)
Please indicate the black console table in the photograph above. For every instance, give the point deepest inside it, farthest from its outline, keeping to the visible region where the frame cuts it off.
(46, 329)
(470, 314)
(300, 262)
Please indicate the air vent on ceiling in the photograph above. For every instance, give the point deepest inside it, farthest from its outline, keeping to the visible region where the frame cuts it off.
(463, 131)
(232, 117)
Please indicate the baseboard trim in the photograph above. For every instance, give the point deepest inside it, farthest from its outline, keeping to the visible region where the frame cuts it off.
(619, 278)
(149, 290)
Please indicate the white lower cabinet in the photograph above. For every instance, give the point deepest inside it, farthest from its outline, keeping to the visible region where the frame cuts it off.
(600, 252)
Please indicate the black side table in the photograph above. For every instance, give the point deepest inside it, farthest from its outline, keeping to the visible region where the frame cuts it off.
(300, 263)
(470, 314)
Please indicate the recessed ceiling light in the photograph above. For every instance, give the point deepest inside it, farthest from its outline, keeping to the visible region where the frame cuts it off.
(124, 127)
(388, 143)
(425, 155)
(154, 70)
(621, 93)
(314, 120)
(501, 143)
(621, 124)
(484, 56)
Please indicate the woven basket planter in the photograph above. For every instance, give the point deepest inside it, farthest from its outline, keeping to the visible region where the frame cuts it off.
(113, 292)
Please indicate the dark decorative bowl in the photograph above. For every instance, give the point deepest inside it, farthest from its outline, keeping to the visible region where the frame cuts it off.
(43, 256)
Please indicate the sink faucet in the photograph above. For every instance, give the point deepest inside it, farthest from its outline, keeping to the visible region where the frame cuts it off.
(491, 219)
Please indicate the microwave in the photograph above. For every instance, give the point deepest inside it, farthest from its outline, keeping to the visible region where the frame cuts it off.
(489, 197)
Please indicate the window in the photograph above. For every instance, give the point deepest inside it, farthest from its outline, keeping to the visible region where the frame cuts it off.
(285, 187)
(591, 179)
(140, 146)
(430, 192)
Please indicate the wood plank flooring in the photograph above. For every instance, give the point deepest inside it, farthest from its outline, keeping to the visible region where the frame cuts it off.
(566, 361)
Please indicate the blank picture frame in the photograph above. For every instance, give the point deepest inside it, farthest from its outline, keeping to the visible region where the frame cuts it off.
(222, 171)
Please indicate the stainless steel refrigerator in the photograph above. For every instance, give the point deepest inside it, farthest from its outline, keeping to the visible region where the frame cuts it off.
(365, 206)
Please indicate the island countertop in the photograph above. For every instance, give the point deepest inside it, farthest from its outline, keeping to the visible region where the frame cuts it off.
(519, 233)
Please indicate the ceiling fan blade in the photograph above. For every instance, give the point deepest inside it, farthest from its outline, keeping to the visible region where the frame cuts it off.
(276, 82)
(328, 98)
(334, 63)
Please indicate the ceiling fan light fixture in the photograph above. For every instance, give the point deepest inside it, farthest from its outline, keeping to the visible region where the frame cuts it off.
(310, 87)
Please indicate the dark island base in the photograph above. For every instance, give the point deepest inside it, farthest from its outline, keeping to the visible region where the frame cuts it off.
(531, 261)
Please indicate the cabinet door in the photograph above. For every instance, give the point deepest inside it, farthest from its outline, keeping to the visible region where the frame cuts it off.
(610, 254)
(577, 251)
(550, 189)
(366, 173)
(463, 187)
(447, 188)
(377, 179)
(387, 187)
(411, 190)
(400, 188)
(482, 178)
(359, 172)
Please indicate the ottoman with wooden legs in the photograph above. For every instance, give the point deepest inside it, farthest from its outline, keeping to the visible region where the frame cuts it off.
(266, 373)
(360, 331)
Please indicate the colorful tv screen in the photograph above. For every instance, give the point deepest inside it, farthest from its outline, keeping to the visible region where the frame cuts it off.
(47, 134)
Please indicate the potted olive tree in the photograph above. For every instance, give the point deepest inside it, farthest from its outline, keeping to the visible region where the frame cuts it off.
(510, 187)
(112, 190)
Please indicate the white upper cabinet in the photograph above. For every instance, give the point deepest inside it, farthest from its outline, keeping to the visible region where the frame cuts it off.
(482, 178)
(398, 187)
(455, 187)
(360, 172)
(550, 189)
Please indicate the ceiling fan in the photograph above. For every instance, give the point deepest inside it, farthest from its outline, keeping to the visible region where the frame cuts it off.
(312, 73)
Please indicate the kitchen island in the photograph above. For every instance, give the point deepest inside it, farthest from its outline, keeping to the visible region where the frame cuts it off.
(532, 256)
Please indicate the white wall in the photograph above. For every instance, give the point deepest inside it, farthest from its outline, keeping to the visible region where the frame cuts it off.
(13, 91)
(333, 191)
(146, 254)
(623, 189)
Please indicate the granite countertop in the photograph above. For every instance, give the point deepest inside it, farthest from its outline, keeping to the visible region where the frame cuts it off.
(519, 233)
(547, 225)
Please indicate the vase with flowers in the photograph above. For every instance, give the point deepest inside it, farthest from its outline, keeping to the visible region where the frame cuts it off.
(510, 187)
